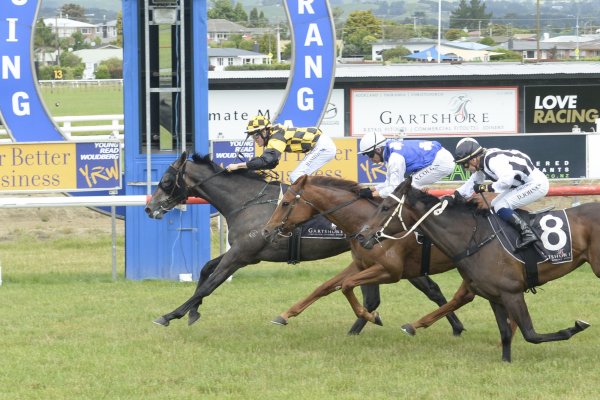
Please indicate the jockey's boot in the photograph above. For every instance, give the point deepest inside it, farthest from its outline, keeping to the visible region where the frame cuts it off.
(527, 235)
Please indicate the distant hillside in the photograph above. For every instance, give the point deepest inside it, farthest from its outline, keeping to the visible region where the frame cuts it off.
(114, 5)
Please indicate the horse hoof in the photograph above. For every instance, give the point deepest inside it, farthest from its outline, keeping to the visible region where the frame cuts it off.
(193, 318)
(582, 324)
(458, 332)
(409, 330)
(377, 320)
(279, 320)
(161, 321)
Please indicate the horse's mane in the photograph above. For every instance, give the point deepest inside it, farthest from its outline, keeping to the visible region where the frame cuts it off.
(416, 195)
(338, 183)
(206, 160)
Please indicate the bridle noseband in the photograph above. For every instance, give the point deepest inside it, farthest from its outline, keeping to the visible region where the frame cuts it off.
(398, 211)
(180, 191)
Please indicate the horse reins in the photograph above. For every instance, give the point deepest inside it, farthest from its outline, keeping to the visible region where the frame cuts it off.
(298, 197)
(398, 211)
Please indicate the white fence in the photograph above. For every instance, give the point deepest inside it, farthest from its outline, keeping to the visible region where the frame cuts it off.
(79, 127)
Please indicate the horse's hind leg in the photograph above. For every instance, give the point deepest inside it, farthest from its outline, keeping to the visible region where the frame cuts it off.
(462, 296)
(506, 329)
(325, 289)
(432, 290)
(517, 308)
(371, 300)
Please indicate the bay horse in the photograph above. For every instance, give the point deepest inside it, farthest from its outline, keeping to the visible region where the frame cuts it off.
(246, 201)
(465, 235)
(335, 198)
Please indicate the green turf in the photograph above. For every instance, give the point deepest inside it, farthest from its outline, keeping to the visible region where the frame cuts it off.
(69, 332)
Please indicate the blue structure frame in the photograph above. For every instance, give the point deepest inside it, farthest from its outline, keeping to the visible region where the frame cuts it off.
(179, 243)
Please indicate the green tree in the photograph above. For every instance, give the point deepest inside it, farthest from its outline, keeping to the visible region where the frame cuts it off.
(224, 9)
(470, 15)
(79, 41)
(44, 35)
(360, 31)
(114, 67)
(488, 41)
(395, 53)
(68, 59)
(120, 29)
(73, 11)
(454, 34)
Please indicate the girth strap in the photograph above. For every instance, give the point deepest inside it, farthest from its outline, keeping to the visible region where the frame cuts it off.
(531, 270)
(425, 256)
(473, 249)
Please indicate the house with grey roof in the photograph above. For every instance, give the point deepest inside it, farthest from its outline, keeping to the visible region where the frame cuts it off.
(219, 58)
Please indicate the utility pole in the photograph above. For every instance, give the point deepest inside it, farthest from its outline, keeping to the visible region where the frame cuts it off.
(537, 29)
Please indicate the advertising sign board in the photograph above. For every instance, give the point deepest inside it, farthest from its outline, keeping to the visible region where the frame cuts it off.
(227, 119)
(434, 111)
(60, 166)
(561, 108)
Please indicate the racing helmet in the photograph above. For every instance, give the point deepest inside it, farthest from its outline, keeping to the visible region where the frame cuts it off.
(257, 123)
(466, 149)
(370, 141)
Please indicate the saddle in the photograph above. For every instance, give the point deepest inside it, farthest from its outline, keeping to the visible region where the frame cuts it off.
(553, 245)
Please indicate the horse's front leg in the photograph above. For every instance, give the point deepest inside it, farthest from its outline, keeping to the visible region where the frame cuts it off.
(462, 296)
(371, 300)
(433, 292)
(205, 272)
(505, 327)
(223, 269)
(325, 289)
(376, 274)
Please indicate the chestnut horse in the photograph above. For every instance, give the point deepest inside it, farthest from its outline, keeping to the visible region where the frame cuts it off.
(465, 235)
(247, 200)
(334, 198)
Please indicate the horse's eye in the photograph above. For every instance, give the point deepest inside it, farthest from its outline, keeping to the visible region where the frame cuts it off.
(385, 208)
(285, 203)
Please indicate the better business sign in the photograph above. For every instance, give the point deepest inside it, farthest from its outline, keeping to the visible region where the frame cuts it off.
(60, 166)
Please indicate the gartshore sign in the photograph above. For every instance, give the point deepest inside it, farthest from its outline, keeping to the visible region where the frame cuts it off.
(60, 166)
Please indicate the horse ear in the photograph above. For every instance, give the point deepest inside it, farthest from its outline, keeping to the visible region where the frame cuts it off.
(183, 157)
(300, 182)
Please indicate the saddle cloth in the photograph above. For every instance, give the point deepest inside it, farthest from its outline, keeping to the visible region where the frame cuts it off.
(321, 228)
(551, 227)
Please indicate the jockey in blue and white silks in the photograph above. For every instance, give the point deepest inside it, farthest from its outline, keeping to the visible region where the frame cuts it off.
(426, 160)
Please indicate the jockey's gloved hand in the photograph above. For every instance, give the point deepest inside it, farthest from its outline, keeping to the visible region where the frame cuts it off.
(365, 193)
(480, 188)
(449, 198)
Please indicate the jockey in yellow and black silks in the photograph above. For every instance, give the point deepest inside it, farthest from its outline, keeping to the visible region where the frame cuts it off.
(278, 139)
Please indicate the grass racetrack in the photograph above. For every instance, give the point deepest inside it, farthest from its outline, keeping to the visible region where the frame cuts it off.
(69, 332)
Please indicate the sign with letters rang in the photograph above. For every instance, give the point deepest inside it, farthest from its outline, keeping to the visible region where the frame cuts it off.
(308, 90)
(21, 109)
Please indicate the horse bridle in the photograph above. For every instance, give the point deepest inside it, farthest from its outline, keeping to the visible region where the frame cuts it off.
(297, 198)
(180, 191)
(398, 211)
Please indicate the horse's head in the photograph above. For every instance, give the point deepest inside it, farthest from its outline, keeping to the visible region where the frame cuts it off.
(171, 191)
(293, 209)
(383, 222)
